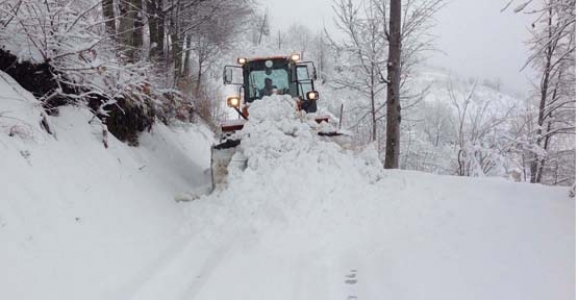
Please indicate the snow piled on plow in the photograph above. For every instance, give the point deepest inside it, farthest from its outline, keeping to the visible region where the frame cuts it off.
(284, 154)
(307, 219)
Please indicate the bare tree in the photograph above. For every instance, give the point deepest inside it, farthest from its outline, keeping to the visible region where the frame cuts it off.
(367, 28)
(363, 53)
(259, 26)
(264, 27)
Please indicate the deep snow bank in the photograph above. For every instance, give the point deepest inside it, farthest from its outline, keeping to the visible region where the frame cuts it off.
(78, 221)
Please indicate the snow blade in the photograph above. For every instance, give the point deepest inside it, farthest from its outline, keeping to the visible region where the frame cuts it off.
(221, 156)
(342, 139)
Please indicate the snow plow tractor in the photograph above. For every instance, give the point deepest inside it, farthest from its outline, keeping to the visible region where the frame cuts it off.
(254, 79)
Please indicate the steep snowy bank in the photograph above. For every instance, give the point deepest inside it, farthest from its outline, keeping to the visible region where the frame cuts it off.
(78, 221)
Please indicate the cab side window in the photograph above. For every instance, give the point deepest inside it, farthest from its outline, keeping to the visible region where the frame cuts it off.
(303, 80)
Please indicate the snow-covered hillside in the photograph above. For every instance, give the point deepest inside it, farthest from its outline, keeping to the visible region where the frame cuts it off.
(78, 221)
(444, 117)
(305, 220)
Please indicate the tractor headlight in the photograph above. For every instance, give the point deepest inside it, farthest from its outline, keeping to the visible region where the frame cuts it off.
(234, 101)
(241, 60)
(295, 57)
(313, 95)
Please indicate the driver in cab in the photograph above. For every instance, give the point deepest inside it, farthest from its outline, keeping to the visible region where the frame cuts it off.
(269, 89)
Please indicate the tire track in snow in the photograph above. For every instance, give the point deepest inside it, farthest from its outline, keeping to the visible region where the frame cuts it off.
(181, 273)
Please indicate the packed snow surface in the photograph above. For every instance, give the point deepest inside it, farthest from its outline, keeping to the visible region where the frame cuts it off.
(305, 219)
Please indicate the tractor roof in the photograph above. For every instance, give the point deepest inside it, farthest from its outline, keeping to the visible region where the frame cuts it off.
(267, 57)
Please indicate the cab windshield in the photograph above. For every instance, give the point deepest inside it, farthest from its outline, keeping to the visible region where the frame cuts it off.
(267, 77)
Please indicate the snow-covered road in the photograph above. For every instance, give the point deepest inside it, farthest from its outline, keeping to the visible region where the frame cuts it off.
(309, 220)
(506, 242)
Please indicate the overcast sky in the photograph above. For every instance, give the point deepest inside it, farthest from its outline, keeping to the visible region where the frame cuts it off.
(478, 40)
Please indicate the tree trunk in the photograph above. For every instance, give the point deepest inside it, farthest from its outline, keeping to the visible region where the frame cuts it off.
(201, 56)
(176, 42)
(108, 14)
(176, 46)
(544, 87)
(199, 76)
(373, 108)
(128, 16)
(279, 40)
(156, 30)
(262, 28)
(138, 32)
(124, 25)
(187, 69)
(393, 86)
(543, 160)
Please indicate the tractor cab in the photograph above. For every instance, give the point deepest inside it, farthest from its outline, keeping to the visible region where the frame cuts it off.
(265, 76)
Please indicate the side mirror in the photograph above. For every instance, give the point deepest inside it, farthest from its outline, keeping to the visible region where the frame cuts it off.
(229, 75)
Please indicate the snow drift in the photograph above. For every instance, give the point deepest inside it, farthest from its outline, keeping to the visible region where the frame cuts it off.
(305, 219)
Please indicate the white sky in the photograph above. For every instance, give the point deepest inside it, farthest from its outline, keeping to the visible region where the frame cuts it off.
(478, 40)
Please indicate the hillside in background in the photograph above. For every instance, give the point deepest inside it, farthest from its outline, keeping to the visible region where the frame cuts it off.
(448, 120)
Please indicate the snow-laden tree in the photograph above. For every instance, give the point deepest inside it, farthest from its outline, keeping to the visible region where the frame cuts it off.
(465, 128)
(125, 59)
(363, 61)
(483, 134)
(67, 35)
(552, 126)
